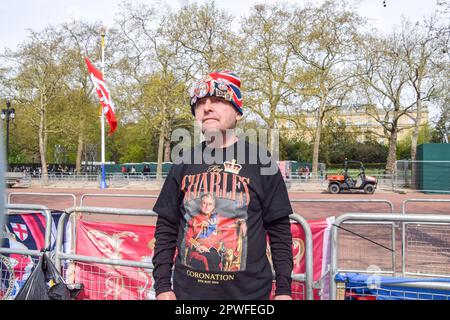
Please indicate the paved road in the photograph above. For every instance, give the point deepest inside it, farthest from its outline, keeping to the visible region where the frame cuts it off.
(307, 210)
(55, 200)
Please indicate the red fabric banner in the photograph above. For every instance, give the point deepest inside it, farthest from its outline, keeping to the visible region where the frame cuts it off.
(114, 241)
(136, 243)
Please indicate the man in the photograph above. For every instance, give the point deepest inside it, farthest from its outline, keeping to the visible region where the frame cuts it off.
(146, 170)
(222, 254)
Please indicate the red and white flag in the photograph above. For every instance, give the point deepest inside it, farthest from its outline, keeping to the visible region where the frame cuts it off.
(20, 230)
(103, 94)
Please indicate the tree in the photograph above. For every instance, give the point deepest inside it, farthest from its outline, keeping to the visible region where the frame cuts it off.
(404, 145)
(300, 151)
(173, 113)
(205, 35)
(337, 142)
(423, 54)
(37, 77)
(130, 143)
(441, 133)
(23, 140)
(370, 152)
(266, 62)
(323, 40)
(81, 40)
(384, 79)
(154, 85)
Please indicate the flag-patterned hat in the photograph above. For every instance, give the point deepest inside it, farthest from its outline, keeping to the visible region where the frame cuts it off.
(223, 84)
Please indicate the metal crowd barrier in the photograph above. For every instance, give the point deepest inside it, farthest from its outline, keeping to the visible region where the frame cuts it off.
(95, 177)
(310, 178)
(10, 196)
(71, 195)
(30, 209)
(100, 195)
(89, 261)
(60, 255)
(21, 265)
(386, 180)
(407, 173)
(373, 217)
(389, 203)
(405, 202)
(308, 276)
(381, 201)
(404, 251)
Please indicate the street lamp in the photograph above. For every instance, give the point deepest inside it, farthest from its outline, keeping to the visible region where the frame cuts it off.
(7, 114)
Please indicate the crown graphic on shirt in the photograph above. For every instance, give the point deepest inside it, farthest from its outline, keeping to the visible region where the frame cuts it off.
(232, 166)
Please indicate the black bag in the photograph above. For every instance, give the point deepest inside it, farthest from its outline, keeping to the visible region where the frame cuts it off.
(46, 283)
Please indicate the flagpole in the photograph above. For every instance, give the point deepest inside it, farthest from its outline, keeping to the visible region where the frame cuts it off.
(103, 181)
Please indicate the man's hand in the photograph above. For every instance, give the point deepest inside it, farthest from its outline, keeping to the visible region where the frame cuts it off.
(283, 297)
(169, 295)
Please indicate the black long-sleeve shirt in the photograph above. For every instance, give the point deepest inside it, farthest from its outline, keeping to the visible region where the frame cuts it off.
(166, 234)
(280, 238)
(218, 216)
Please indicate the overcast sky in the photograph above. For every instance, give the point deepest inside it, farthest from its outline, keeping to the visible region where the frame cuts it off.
(19, 15)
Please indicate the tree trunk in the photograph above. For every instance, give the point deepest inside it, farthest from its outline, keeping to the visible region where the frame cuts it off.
(43, 145)
(415, 138)
(274, 143)
(271, 125)
(415, 135)
(80, 148)
(166, 149)
(316, 148)
(392, 153)
(162, 135)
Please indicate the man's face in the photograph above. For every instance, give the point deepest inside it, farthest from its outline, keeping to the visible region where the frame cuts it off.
(216, 114)
(207, 205)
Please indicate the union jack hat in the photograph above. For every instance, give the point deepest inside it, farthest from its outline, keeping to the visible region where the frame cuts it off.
(223, 84)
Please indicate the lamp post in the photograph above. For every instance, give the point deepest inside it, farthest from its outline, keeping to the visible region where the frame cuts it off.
(8, 114)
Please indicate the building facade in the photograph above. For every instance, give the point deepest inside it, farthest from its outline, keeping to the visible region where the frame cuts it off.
(363, 121)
